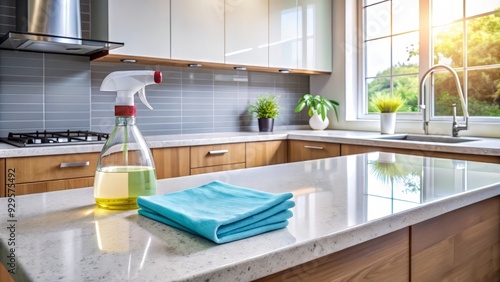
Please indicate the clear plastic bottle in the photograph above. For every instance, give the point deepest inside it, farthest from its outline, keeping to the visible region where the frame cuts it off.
(125, 169)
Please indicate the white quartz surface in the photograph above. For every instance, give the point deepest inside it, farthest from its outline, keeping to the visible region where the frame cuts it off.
(486, 146)
(340, 202)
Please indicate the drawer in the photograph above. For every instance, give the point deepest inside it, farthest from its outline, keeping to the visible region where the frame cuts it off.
(56, 185)
(43, 168)
(212, 155)
(310, 150)
(216, 168)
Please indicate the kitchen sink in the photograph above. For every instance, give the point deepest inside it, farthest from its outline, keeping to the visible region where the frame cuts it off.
(427, 138)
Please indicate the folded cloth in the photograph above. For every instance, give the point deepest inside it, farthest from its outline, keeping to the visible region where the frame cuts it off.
(219, 211)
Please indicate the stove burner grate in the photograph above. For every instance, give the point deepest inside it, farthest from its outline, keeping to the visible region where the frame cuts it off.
(43, 138)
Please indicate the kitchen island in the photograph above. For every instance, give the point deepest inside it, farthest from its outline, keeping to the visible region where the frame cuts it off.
(340, 203)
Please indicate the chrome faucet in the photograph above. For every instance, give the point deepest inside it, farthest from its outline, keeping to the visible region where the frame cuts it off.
(421, 97)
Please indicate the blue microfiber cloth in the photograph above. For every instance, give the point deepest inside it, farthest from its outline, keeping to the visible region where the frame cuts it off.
(219, 211)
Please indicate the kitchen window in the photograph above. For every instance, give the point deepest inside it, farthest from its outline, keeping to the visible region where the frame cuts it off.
(402, 38)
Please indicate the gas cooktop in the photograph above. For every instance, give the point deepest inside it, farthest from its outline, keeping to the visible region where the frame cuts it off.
(51, 138)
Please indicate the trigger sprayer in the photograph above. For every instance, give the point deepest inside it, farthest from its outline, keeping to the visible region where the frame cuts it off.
(125, 169)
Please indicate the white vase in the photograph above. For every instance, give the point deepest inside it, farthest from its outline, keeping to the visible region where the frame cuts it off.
(316, 123)
(387, 123)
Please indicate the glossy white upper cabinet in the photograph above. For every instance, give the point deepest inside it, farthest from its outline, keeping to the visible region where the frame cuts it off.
(197, 30)
(283, 31)
(315, 35)
(144, 26)
(247, 32)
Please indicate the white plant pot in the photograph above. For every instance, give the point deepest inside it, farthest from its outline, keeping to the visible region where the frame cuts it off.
(316, 123)
(388, 158)
(387, 123)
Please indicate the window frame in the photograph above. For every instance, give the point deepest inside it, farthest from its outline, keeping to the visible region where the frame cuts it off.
(425, 62)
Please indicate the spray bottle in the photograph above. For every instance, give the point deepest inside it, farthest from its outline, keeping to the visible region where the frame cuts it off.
(125, 169)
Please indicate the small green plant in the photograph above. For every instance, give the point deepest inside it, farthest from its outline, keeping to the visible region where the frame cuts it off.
(319, 104)
(265, 107)
(385, 103)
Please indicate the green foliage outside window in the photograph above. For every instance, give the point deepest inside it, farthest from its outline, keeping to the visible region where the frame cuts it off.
(483, 48)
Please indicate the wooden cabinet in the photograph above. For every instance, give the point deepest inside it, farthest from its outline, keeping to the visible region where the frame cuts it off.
(213, 158)
(171, 162)
(462, 245)
(3, 192)
(144, 26)
(4, 274)
(283, 28)
(382, 259)
(300, 34)
(315, 35)
(50, 173)
(299, 150)
(347, 149)
(266, 153)
(197, 30)
(247, 32)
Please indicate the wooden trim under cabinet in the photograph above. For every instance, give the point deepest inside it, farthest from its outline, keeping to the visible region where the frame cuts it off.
(43, 168)
(171, 162)
(212, 155)
(116, 58)
(266, 153)
(216, 168)
(299, 150)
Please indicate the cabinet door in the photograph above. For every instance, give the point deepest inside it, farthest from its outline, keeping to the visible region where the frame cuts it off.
(171, 162)
(283, 27)
(247, 32)
(310, 150)
(144, 27)
(197, 30)
(461, 245)
(266, 153)
(43, 168)
(315, 35)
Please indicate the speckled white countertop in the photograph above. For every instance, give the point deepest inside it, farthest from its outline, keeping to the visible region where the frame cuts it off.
(340, 202)
(486, 146)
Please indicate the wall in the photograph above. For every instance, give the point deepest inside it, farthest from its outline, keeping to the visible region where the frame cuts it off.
(200, 101)
(60, 92)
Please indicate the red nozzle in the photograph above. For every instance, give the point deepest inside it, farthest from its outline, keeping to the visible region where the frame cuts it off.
(157, 77)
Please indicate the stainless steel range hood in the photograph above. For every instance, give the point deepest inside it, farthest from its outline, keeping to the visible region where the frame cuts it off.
(52, 26)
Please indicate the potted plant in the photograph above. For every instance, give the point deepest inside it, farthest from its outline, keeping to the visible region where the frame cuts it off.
(266, 109)
(387, 105)
(318, 107)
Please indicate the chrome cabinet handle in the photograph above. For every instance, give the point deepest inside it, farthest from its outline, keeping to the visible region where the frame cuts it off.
(218, 152)
(75, 164)
(314, 147)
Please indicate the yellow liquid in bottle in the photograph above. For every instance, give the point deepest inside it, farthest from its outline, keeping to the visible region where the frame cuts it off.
(118, 187)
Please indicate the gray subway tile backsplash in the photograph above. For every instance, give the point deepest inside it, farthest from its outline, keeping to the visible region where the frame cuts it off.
(57, 92)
